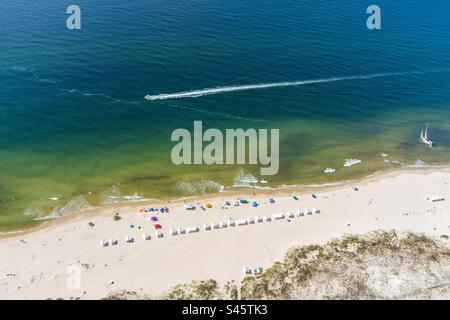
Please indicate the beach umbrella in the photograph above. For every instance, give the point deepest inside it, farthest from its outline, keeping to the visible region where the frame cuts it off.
(209, 205)
(157, 226)
(243, 201)
(154, 218)
(294, 197)
(314, 196)
(271, 200)
(254, 204)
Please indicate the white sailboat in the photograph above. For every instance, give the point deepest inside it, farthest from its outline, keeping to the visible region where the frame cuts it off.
(424, 137)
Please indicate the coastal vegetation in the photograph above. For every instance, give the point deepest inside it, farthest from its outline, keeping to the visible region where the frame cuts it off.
(377, 265)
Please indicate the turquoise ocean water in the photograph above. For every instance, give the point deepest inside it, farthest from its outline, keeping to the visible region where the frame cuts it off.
(76, 131)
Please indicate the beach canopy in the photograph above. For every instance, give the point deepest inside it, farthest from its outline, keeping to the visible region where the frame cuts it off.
(243, 201)
(314, 196)
(294, 197)
(189, 207)
(246, 270)
(271, 200)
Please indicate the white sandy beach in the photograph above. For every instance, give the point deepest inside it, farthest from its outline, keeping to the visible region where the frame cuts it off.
(33, 264)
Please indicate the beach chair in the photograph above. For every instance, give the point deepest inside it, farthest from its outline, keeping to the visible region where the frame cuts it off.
(278, 216)
(129, 239)
(146, 236)
(103, 243)
(192, 229)
(241, 222)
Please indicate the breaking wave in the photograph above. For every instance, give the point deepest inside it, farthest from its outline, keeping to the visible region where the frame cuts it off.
(417, 164)
(113, 195)
(76, 204)
(351, 162)
(244, 180)
(199, 187)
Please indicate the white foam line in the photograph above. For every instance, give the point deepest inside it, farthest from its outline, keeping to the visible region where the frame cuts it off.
(218, 90)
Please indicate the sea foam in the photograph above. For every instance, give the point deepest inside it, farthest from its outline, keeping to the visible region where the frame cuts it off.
(199, 187)
(351, 162)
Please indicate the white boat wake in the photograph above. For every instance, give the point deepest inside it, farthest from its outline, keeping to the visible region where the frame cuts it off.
(226, 89)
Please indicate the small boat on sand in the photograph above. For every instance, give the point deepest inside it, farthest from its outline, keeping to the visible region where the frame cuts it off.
(424, 137)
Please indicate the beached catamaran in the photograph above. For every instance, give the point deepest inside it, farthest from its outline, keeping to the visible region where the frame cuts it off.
(424, 137)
